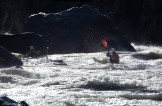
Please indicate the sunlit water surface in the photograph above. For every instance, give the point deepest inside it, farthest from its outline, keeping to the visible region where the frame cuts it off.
(84, 82)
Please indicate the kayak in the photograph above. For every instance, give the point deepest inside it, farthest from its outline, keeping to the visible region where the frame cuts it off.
(103, 61)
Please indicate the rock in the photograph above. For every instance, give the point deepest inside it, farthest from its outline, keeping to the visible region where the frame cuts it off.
(57, 62)
(5, 101)
(140, 20)
(7, 59)
(78, 29)
(21, 42)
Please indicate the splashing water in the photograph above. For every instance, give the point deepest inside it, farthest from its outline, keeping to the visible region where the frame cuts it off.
(84, 82)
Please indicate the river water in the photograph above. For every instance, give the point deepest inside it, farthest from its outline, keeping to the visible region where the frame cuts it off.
(136, 81)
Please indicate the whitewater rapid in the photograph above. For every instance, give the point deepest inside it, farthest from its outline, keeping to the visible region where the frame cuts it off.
(84, 82)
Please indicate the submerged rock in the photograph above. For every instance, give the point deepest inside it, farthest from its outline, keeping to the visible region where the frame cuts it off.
(7, 59)
(78, 29)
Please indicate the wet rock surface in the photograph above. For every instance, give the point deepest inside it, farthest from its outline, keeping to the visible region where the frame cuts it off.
(21, 42)
(7, 59)
(78, 29)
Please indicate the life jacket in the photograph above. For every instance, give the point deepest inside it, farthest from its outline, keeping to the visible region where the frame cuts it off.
(114, 57)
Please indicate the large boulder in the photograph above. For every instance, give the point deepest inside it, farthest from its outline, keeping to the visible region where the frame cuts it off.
(7, 59)
(78, 29)
(20, 43)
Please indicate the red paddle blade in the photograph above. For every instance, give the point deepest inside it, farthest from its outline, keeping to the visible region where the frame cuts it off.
(104, 43)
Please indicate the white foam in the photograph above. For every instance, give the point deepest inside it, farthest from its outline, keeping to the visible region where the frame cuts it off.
(41, 83)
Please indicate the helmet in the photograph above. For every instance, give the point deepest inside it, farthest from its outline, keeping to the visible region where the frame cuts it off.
(31, 47)
(112, 50)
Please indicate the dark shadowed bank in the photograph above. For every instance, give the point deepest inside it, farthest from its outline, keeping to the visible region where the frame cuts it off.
(74, 30)
(139, 20)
